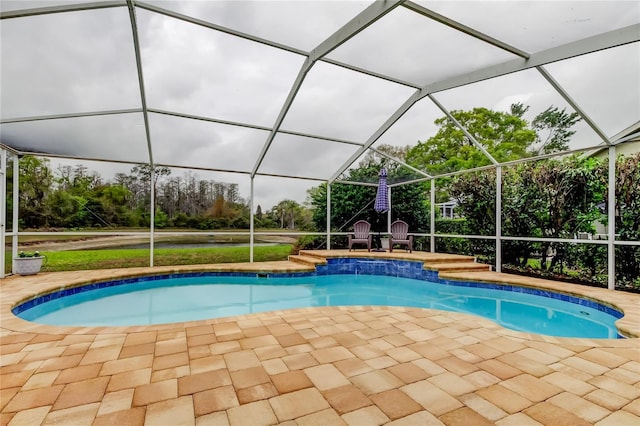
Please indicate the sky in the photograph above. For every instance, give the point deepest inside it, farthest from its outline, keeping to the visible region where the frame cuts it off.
(84, 61)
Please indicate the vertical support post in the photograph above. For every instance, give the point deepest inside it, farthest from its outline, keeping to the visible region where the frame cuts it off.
(16, 209)
(152, 213)
(251, 224)
(3, 207)
(389, 211)
(611, 228)
(328, 216)
(433, 216)
(499, 219)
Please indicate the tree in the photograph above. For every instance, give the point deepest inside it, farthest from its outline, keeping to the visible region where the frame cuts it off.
(36, 180)
(556, 124)
(505, 136)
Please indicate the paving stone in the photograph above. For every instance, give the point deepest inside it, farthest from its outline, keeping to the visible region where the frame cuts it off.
(127, 364)
(518, 419)
(582, 408)
(217, 399)
(129, 379)
(329, 355)
(602, 357)
(481, 379)
(585, 366)
(619, 418)
(395, 403)
(116, 401)
(381, 362)
(569, 384)
(297, 404)
(209, 363)
(606, 399)
(464, 416)
(33, 398)
(291, 381)
(101, 354)
(532, 388)
(137, 350)
(615, 386)
(81, 393)
(60, 363)
(249, 377)
(40, 380)
(452, 384)
(202, 381)
(431, 397)
(80, 415)
(326, 377)
(172, 346)
(258, 341)
(371, 415)
(352, 367)
(33, 416)
(154, 392)
(483, 407)
(550, 414)
(129, 417)
(408, 372)
(525, 365)
(213, 419)
(346, 398)
(257, 413)
(321, 418)
(504, 398)
(171, 412)
(221, 348)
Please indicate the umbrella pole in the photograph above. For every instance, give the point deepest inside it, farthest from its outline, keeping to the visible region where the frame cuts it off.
(378, 238)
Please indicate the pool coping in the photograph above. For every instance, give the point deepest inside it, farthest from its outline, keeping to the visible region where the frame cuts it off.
(16, 289)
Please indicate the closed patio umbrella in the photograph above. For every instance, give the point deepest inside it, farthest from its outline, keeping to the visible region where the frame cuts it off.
(382, 197)
(382, 201)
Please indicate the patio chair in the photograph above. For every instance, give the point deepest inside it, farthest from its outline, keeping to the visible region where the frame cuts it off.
(399, 231)
(360, 234)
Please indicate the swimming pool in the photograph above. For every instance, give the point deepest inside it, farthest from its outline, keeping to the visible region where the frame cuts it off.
(187, 297)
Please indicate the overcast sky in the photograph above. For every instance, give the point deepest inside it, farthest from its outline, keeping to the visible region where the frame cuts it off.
(84, 62)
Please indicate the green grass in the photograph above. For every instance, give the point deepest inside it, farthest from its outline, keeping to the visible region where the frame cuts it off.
(128, 258)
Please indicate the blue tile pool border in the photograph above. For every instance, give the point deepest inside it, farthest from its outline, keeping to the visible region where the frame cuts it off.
(349, 265)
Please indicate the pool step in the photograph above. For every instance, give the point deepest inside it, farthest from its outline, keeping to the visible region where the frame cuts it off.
(458, 267)
(312, 261)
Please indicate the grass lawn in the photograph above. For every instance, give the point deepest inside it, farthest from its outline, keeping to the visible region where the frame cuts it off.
(127, 258)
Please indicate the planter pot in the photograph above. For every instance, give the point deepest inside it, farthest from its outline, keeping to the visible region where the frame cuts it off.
(28, 265)
(385, 243)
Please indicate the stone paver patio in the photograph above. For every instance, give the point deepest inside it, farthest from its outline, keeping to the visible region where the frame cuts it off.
(314, 366)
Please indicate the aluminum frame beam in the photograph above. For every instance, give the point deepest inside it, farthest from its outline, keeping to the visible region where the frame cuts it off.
(615, 38)
(553, 82)
(465, 29)
(143, 99)
(363, 20)
(23, 13)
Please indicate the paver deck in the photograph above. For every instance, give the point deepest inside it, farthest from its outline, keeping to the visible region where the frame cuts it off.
(314, 366)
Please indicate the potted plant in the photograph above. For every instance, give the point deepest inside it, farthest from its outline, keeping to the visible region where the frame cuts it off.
(28, 263)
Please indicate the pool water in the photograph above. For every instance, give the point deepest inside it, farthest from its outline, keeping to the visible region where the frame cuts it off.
(161, 301)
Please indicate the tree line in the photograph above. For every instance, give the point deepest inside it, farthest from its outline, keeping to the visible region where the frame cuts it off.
(73, 197)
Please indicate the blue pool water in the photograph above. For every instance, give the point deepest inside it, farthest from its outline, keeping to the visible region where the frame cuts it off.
(160, 301)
